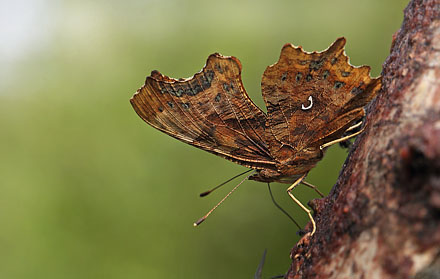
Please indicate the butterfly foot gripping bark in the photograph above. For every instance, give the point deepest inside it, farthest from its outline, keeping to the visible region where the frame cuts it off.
(312, 99)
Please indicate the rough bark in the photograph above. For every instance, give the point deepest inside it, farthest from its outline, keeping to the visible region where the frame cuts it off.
(382, 218)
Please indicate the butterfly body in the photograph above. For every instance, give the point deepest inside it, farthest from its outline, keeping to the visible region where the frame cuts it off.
(289, 170)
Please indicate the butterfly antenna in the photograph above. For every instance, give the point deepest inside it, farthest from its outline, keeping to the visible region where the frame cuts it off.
(209, 212)
(280, 208)
(259, 271)
(221, 184)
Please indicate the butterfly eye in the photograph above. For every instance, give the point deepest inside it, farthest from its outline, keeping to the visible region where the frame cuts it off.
(310, 99)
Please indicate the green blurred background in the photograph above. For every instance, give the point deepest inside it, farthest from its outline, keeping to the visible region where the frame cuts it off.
(88, 190)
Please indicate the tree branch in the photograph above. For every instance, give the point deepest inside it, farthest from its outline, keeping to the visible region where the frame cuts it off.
(382, 218)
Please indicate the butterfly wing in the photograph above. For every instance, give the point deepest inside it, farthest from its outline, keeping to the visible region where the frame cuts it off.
(211, 111)
(312, 98)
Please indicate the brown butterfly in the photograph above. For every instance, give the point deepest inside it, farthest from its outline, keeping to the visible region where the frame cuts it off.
(312, 99)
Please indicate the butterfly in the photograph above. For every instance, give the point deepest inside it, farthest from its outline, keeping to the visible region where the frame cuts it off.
(312, 100)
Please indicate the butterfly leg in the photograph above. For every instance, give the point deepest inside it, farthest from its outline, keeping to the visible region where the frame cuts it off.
(341, 139)
(308, 211)
(313, 187)
(280, 208)
(354, 126)
(352, 129)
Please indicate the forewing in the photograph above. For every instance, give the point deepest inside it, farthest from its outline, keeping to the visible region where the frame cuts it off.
(312, 98)
(211, 111)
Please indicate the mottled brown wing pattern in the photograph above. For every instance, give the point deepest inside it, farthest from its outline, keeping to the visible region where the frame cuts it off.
(312, 98)
(211, 111)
